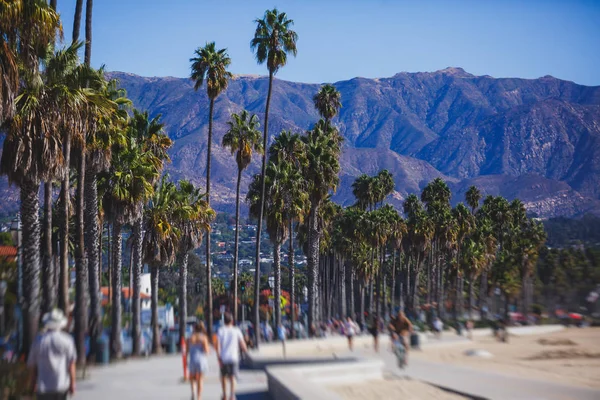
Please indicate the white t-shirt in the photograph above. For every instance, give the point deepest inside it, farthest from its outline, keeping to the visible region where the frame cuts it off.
(229, 344)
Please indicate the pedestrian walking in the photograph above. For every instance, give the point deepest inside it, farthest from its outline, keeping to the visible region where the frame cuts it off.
(350, 329)
(198, 361)
(52, 359)
(229, 342)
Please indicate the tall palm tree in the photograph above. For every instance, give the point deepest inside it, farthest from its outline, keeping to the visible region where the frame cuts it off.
(273, 41)
(160, 243)
(210, 65)
(31, 149)
(242, 138)
(289, 148)
(110, 132)
(322, 148)
(279, 207)
(148, 136)
(192, 217)
(327, 102)
(128, 186)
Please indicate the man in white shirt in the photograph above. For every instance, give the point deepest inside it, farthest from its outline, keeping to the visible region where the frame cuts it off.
(229, 342)
(52, 359)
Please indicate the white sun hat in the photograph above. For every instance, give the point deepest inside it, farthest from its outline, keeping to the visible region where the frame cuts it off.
(54, 320)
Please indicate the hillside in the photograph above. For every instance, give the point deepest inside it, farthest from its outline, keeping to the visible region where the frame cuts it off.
(538, 139)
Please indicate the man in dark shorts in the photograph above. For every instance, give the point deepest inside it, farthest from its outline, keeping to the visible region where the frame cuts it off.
(229, 342)
(401, 327)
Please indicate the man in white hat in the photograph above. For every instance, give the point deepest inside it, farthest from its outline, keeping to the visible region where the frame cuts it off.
(52, 358)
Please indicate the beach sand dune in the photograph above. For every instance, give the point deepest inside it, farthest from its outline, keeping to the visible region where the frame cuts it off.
(571, 356)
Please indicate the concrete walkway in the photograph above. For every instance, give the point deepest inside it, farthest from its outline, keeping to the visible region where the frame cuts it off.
(160, 378)
(477, 383)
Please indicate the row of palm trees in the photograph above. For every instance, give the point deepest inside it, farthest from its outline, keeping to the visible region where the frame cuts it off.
(59, 116)
(428, 254)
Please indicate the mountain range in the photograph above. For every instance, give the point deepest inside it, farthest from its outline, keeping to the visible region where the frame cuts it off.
(535, 139)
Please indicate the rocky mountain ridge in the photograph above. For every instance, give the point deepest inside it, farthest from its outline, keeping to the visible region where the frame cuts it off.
(536, 139)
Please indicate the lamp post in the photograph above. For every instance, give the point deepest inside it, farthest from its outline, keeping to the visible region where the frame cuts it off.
(15, 228)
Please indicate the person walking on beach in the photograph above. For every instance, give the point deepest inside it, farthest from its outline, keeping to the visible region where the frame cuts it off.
(229, 342)
(52, 359)
(401, 328)
(350, 329)
(198, 361)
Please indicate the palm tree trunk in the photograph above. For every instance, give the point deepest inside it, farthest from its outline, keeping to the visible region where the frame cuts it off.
(136, 318)
(81, 272)
(92, 236)
(261, 211)
(48, 292)
(209, 299)
(362, 304)
(236, 249)
(154, 275)
(63, 288)
(89, 5)
(313, 263)
(351, 303)
(471, 295)
(183, 276)
(30, 250)
(342, 311)
(371, 292)
(483, 293)
(277, 273)
(292, 267)
(110, 261)
(115, 332)
(77, 20)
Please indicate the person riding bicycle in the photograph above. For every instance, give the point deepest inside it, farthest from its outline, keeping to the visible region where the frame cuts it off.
(400, 328)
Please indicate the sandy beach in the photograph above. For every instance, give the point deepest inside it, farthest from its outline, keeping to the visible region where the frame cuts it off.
(571, 356)
(393, 388)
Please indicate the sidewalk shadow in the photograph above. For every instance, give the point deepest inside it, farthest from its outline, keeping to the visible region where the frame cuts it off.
(264, 395)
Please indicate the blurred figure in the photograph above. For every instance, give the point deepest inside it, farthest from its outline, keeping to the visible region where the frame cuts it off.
(198, 363)
(438, 327)
(52, 359)
(350, 329)
(401, 328)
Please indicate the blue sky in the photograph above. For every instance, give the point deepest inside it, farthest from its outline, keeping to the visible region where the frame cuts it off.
(342, 39)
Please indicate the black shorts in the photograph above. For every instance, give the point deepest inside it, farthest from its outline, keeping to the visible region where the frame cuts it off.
(228, 370)
(374, 332)
(52, 396)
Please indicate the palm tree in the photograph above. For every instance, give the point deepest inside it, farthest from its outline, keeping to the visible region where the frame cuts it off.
(210, 65)
(322, 149)
(472, 197)
(128, 187)
(242, 138)
(362, 189)
(161, 241)
(193, 217)
(273, 41)
(288, 148)
(147, 134)
(327, 102)
(100, 142)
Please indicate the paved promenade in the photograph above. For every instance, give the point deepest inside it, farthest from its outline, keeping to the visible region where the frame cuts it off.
(160, 378)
